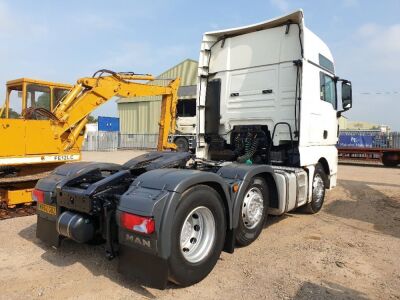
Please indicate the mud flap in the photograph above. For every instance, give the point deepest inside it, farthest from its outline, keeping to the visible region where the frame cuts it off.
(150, 269)
(230, 241)
(46, 231)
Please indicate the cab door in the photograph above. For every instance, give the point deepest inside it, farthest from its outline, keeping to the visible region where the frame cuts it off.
(12, 124)
(319, 115)
(39, 135)
(328, 109)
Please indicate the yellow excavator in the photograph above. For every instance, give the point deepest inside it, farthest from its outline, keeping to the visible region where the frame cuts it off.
(42, 124)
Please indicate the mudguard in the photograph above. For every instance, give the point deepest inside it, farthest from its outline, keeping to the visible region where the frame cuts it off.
(241, 174)
(67, 172)
(158, 160)
(46, 223)
(157, 193)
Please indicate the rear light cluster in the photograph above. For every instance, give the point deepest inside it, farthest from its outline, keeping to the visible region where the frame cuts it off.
(38, 196)
(136, 223)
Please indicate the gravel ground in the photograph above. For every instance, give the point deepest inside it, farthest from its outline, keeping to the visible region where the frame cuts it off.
(350, 250)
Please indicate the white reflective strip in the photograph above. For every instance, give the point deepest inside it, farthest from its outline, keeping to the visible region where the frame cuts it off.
(39, 159)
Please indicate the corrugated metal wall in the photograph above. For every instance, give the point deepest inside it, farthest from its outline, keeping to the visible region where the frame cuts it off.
(139, 117)
(141, 114)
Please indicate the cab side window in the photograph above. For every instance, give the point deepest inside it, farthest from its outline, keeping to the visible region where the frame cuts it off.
(327, 89)
(186, 108)
(38, 96)
(15, 103)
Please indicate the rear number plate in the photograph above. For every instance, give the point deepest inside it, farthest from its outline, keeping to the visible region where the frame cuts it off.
(48, 209)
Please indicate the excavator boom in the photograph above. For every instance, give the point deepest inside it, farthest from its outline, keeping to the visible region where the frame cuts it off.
(91, 92)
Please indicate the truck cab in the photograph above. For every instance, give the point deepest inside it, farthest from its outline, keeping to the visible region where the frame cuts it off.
(185, 125)
(274, 85)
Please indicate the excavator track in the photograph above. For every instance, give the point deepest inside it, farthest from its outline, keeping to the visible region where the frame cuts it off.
(25, 210)
(26, 178)
(19, 210)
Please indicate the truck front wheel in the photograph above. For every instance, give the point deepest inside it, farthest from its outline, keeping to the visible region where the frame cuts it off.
(253, 212)
(318, 190)
(182, 144)
(198, 235)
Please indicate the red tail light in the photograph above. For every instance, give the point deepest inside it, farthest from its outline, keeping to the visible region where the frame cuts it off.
(137, 223)
(38, 196)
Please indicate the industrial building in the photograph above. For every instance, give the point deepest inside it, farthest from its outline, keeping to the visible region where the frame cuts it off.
(346, 124)
(140, 115)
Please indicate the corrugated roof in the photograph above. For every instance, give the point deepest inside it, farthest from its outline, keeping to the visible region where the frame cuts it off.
(185, 70)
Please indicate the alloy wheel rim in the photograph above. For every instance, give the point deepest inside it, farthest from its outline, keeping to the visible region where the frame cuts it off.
(197, 234)
(252, 208)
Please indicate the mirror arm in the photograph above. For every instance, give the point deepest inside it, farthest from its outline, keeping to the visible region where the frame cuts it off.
(345, 81)
(339, 113)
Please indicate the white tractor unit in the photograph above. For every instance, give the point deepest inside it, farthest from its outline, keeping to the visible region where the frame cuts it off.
(267, 128)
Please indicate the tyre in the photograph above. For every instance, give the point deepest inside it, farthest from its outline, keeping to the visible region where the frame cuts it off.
(182, 144)
(253, 212)
(198, 235)
(318, 190)
(390, 160)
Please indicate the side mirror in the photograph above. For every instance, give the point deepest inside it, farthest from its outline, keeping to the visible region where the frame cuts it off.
(347, 97)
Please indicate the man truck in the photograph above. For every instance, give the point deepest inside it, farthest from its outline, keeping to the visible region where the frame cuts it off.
(266, 133)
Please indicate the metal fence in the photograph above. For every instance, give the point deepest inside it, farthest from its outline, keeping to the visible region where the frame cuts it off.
(396, 139)
(112, 141)
(369, 139)
(138, 141)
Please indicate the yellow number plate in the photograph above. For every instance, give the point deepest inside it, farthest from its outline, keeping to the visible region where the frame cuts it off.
(51, 210)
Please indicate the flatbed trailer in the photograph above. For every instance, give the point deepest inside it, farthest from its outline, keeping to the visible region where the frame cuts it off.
(369, 146)
(388, 157)
(266, 135)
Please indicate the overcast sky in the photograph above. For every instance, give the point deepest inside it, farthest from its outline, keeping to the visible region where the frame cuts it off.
(64, 40)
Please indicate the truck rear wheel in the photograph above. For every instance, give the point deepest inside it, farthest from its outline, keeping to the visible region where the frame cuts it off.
(253, 212)
(198, 235)
(182, 144)
(318, 190)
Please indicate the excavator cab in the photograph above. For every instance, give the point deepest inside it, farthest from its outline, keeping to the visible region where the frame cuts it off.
(19, 121)
(26, 137)
(24, 93)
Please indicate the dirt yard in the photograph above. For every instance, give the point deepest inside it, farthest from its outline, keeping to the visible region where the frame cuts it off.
(350, 250)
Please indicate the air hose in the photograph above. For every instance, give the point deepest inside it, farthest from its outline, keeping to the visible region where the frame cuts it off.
(250, 148)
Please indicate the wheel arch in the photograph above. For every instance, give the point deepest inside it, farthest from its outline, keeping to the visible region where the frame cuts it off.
(157, 193)
(272, 189)
(325, 165)
(218, 188)
(272, 192)
(181, 137)
(216, 183)
(244, 174)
